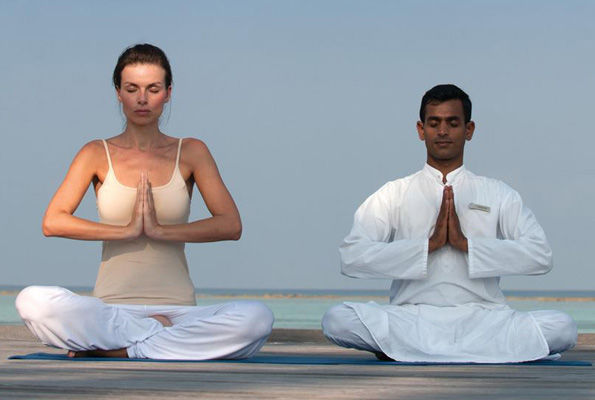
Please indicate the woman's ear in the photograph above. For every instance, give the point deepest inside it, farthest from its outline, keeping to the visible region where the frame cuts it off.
(168, 94)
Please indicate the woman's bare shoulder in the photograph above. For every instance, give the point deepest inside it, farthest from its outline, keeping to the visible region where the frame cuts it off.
(92, 153)
(194, 145)
(195, 149)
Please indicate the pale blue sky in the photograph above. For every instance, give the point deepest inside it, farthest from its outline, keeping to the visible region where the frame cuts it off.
(308, 107)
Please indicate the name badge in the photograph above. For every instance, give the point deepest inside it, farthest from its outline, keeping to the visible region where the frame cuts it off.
(479, 207)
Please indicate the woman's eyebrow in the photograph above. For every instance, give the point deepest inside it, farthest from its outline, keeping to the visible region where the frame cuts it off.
(150, 84)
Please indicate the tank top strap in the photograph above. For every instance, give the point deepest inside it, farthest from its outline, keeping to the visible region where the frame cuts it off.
(179, 152)
(109, 160)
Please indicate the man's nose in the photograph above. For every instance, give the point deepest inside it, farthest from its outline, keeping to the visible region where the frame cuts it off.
(443, 129)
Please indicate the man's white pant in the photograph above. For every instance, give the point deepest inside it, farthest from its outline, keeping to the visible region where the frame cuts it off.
(342, 326)
(66, 320)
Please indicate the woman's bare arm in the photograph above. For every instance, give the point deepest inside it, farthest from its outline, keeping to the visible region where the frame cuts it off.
(224, 223)
(59, 219)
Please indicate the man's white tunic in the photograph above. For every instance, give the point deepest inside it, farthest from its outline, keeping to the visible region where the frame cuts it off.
(447, 305)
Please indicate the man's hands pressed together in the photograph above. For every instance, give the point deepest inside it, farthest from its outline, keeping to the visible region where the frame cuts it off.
(448, 229)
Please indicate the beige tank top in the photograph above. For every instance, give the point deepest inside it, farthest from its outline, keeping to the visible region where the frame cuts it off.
(143, 271)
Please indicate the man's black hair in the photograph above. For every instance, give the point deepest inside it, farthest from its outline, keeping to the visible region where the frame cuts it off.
(442, 93)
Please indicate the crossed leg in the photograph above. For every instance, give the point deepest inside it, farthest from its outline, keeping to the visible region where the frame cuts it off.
(118, 353)
(342, 326)
(65, 320)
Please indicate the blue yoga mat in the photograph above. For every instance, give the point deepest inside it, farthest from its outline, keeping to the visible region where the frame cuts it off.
(293, 359)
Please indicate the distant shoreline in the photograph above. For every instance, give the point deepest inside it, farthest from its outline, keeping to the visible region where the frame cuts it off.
(331, 296)
(552, 296)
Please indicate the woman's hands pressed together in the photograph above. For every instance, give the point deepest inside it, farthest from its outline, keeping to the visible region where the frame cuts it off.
(135, 226)
(144, 217)
(151, 225)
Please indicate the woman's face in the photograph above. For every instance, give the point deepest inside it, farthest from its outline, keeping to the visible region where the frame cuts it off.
(143, 93)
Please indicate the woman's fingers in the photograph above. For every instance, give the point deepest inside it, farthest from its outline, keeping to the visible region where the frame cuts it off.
(148, 194)
(151, 227)
(135, 228)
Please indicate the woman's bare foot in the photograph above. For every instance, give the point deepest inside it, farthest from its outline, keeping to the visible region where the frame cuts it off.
(118, 353)
(162, 319)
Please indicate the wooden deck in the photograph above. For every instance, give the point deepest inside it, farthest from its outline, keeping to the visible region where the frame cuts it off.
(22, 379)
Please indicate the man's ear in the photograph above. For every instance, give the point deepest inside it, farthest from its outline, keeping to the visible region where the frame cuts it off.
(420, 130)
(469, 129)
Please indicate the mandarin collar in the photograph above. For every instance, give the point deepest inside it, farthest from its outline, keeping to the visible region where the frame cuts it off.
(451, 177)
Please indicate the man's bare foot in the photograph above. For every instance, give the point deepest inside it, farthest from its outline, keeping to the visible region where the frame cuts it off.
(162, 319)
(77, 354)
(382, 357)
(118, 353)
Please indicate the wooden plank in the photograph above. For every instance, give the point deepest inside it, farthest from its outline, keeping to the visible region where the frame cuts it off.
(129, 380)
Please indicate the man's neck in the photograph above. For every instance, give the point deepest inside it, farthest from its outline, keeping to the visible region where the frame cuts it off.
(445, 166)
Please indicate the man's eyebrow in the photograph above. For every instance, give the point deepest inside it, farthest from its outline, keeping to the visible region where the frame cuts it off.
(449, 118)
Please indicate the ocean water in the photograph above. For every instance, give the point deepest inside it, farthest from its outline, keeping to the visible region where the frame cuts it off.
(304, 310)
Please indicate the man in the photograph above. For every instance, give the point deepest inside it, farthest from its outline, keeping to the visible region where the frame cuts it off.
(445, 236)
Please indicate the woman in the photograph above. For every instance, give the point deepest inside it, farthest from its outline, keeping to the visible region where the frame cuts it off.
(144, 304)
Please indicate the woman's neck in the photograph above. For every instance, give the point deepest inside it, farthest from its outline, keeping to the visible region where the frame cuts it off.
(142, 137)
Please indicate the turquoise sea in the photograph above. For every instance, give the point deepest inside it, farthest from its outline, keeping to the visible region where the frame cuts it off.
(304, 309)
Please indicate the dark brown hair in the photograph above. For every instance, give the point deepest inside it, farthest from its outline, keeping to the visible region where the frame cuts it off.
(142, 54)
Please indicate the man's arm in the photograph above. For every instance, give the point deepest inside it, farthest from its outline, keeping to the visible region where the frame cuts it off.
(367, 253)
(522, 250)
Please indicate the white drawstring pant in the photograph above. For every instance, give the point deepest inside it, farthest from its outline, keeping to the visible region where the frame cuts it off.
(63, 319)
(342, 326)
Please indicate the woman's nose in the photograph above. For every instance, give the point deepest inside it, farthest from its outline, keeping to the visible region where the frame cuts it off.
(142, 97)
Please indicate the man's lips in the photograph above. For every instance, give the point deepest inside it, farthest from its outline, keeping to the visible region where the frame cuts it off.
(142, 111)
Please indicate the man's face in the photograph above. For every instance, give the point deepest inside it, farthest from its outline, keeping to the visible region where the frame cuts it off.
(444, 131)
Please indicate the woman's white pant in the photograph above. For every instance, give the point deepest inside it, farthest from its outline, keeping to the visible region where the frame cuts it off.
(66, 320)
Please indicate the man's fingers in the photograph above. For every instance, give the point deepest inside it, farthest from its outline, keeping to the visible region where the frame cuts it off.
(449, 193)
(443, 213)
